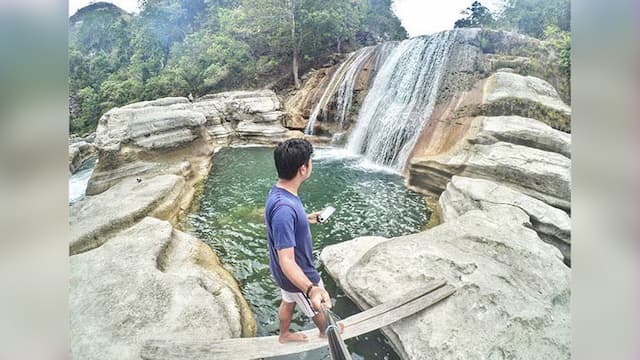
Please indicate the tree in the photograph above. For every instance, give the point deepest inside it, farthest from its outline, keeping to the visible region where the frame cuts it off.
(531, 17)
(561, 42)
(477, 15)
(91, 111)
(182, 47)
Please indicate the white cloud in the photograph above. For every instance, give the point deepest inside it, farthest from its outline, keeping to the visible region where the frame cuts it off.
(127, 5)
(422, 17)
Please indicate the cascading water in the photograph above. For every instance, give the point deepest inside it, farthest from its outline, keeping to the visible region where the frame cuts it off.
(401, 100)
(343, 82)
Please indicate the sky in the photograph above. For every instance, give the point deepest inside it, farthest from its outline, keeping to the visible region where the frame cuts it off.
(419, 17)
(127, 5)
(422, 17)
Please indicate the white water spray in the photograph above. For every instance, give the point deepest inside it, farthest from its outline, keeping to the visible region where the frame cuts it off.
(401, 100)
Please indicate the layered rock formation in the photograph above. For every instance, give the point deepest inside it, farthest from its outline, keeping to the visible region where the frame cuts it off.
(513, 290)
(134, 276)
(156, 137)
(151, 281)
(254, 116)
(506, 93)
(79, 153)
(465, 194)
(497, 154)
(93, 220)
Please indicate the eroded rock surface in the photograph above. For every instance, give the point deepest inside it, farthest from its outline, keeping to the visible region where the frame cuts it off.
(507, 93)
(148, 282)
(95, 218)
(229, 113)
(513, 290)
(540, 174)
(162, 123)
(79, 153)
(465, 194)
(522, 131)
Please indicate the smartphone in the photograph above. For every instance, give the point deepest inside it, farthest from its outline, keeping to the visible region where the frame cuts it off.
(324, 215)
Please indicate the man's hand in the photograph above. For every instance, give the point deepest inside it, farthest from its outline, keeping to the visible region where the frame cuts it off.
(317, 296)
(313, 217)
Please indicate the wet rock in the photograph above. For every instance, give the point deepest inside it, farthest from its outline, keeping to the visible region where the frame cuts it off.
(79, 153)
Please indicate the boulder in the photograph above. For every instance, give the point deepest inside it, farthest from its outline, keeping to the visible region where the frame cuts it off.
(543, 175)
(513, 290)
(522, 131)
(147, 282)
(159, 124)
(507, 93)
(465, 194)
(94, 218)
(79, 153)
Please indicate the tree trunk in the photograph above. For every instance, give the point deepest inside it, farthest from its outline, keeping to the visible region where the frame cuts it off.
(294, 67)
(296, 79)
(339, 50)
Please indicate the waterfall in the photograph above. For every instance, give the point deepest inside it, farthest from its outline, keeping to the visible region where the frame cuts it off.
(78, 181)
(343, 82)
(401, 100)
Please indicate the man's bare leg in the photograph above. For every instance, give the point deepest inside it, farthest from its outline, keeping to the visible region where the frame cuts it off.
(285, 312)
(321, 323)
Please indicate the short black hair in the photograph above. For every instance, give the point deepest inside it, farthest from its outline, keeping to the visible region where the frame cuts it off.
(290, 155)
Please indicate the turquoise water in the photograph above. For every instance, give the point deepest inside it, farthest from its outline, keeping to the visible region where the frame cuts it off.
(231, 220)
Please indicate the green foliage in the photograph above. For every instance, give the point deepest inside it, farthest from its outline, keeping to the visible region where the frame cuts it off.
(90, 104)
(182, 47)
(477, 15)
(531, 17)
(560, 40)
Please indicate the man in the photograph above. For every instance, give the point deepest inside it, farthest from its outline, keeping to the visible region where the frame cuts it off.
(289, 239)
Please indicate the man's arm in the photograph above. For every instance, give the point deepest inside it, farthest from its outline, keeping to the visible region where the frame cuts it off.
(292, 271)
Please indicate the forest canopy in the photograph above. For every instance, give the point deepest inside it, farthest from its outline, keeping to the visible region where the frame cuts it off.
(195, 47)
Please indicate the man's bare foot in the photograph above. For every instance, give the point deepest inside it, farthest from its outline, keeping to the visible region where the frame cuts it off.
(340, 326)
(292, 337)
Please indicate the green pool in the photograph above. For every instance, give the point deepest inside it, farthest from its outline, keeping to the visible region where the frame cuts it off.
(230, 219)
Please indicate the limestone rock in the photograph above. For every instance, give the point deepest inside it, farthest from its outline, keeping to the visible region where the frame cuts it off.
(506, 93)
(513, 291)
(523, 131)
(263, 105)
(167, 101)
(162, 123)
(250, 115)
(543, 175)
(260, 132)
(104, 178)
(79, 153)
(466, 194)
(94, 218)
(147, 282)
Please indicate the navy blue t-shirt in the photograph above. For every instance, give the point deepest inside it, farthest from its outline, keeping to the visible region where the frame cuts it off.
(287, 226)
